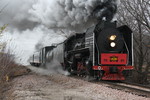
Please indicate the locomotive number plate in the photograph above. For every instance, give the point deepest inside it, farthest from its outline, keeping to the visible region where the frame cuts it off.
(113, 59)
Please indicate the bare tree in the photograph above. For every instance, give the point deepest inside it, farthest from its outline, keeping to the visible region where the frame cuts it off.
(136, 14)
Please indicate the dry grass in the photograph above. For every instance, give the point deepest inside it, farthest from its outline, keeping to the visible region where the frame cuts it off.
(6, 63)
(8, 70)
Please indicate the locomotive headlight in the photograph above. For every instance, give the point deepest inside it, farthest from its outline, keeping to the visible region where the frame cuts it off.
(112, 44)
(112, 37)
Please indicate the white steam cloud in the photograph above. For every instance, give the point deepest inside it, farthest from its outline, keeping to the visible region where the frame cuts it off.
(62, 13)
(32, 22)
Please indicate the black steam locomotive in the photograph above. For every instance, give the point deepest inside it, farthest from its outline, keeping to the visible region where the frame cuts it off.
(104, 51)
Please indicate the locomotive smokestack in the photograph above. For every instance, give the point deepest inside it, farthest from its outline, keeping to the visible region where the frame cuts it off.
(106, 9)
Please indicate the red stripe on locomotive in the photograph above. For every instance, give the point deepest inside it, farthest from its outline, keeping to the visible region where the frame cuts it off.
(113, 59)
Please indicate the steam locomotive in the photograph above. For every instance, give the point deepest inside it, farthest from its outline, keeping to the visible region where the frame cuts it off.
(104, 52)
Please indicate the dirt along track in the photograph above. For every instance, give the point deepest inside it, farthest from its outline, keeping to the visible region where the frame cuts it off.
(43, 85)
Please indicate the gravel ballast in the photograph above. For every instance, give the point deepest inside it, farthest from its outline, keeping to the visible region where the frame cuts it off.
(46, 86)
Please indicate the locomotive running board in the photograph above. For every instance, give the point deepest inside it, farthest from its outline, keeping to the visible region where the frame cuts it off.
(79, 50)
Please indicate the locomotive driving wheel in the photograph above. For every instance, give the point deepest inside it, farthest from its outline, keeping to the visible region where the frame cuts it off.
(84, 69)
(70, 65)
(89, 71)
(81, 69)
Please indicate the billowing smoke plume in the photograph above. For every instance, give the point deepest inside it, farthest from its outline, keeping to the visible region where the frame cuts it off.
(74, 15)
(37, 21)
(71, 14)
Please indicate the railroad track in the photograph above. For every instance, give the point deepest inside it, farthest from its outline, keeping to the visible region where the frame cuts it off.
(136, 84)
(136, 89)
(126, 87)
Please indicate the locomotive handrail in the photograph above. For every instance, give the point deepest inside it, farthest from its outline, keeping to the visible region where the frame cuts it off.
(127, 51)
